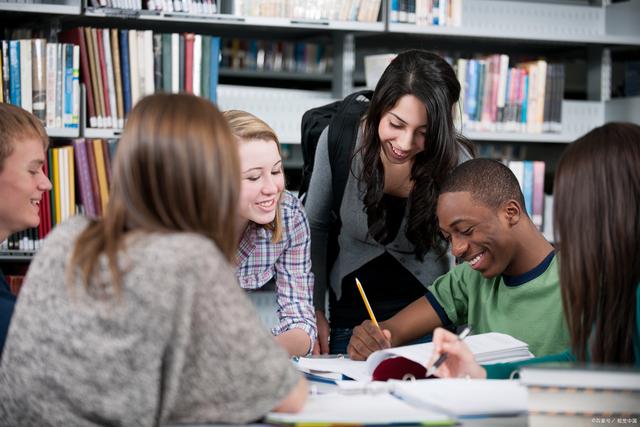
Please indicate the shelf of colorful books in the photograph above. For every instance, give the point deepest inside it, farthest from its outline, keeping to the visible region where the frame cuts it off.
(531, 21)
(63, 132)
(40, 8)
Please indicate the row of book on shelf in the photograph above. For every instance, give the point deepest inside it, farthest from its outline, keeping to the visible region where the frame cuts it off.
(331, 10)
(42, 78)
(119, 67)
(438, 13)
(524, 97)
(196, 7)
(278, 56)
(80, 174)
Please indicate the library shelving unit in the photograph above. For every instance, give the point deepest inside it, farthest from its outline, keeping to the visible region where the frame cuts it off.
(595, 28)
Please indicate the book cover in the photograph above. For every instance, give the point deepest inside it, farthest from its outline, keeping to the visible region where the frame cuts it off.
(38, 73)
(126, 76)
(215, 55)
(188, 62)
(84, 177)
(166, 63)
(14, 80)
(26, 82)
(117, 75)
(205, 88)
(93, 173)
(101, 172)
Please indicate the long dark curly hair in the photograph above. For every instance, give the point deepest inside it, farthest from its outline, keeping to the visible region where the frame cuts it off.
(431, 79)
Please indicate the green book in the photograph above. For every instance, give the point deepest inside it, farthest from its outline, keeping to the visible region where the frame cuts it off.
(166, 62)
(206, 66)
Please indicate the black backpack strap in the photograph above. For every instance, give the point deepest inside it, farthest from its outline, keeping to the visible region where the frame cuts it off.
(343, 132)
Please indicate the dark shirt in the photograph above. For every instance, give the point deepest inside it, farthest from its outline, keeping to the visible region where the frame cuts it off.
(388, 284)
(7, 302)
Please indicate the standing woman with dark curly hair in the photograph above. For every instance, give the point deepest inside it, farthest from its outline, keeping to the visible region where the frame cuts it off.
(389, 238)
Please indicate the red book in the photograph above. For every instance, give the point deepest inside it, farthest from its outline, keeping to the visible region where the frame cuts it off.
(188, 62)
(95, 187)
(103, 68)
(76, 36)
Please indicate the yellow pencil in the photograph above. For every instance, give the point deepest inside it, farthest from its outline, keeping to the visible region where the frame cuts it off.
(366, 303)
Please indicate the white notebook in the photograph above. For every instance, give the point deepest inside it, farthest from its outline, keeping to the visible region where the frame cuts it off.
(492, 347)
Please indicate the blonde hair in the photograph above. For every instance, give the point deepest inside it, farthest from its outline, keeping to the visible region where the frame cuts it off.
(176, 170)
(17, 125)
(245, 126)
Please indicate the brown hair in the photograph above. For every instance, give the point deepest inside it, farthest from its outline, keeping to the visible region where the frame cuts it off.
(246, 126)
(176, 169)
(16, 125)
(597, 225)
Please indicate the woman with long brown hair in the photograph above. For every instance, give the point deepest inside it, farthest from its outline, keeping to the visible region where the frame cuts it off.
(134, 318)
(597, 225)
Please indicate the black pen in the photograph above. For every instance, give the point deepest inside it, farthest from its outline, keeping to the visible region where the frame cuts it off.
(433, 368)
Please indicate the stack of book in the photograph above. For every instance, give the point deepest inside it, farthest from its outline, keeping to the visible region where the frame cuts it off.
(279, 56)
(437, 13)
(119, 67)
(562, 394)
(331, 10)
(42, 78)
(524, 98)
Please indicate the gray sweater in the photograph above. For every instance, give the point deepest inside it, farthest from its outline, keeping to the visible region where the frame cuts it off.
(357, 247)
(182, 344)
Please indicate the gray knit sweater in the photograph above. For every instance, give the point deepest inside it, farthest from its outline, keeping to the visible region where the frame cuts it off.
(181, 344)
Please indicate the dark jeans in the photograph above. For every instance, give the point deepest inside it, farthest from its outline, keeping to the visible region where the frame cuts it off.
(339, 340)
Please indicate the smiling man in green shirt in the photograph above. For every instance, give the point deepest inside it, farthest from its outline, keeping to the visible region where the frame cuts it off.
(508, 281)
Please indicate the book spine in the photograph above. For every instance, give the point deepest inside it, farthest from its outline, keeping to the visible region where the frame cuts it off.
(38, 73)
(117, 73)
(215, 55)
(126, 76)
(538, 194)
(67, 117)
(26, 91)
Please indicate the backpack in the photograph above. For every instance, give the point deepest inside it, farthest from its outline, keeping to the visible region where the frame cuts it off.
(343, 118)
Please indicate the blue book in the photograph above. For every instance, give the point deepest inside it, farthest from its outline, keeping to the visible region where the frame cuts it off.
(126, 76)
(215, 66)
(472, 89)
(67, 112)
(14, 72)
(527, 187)
(525, 96)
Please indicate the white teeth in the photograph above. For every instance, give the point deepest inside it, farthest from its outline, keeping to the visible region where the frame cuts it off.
(398, 153)
(266, 204)
(475, 260)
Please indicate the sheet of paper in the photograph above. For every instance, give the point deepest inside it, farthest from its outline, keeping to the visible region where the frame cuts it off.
(464, 397)
(370, 409)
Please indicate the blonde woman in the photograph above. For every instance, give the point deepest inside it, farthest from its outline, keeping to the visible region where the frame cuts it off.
(274, 230)
(137, 318)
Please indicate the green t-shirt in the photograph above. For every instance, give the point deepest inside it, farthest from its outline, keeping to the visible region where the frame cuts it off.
(527, 307)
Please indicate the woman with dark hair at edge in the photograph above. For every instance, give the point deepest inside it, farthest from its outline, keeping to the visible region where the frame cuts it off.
(407, 143)
(596, 215)
(137, 318)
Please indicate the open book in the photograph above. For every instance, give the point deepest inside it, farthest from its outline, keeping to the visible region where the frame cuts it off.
(492, 347)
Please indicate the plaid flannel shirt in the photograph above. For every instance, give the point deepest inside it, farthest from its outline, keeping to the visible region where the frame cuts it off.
(288, 260)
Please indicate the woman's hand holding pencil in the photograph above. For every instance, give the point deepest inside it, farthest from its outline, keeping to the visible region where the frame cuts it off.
(368, 336)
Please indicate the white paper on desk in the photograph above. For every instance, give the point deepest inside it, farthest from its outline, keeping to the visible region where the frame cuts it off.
(373, 409)
(465, 397)
(491, 347)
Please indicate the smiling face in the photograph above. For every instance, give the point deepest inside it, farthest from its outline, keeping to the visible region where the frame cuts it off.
(262, 180)
(478, 234)
(402, 130)
(22, 184)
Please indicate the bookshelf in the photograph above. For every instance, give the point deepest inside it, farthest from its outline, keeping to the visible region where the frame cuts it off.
(593, 31)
